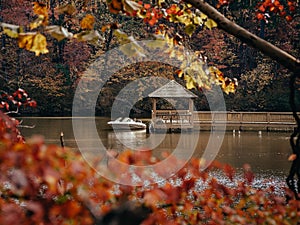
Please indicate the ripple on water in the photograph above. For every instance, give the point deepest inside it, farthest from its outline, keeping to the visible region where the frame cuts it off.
(261, 181)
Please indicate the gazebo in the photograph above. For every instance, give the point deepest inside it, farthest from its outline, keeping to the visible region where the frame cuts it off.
(172, 119)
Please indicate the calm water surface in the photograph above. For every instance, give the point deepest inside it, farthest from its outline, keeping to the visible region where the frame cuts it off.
(266, 153)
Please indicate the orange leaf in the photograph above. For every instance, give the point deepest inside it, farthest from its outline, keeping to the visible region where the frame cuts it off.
(262, 8)
(41, 10)
(260, 16)
(292, 157)
(26, 40)
(73, 208)
(88, 22)
(115, 6)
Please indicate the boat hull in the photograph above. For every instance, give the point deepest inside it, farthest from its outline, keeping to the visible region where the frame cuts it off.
(127, 124)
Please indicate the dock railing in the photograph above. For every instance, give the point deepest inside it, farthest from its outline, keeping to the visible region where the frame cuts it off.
(172, 119)
(246, 119)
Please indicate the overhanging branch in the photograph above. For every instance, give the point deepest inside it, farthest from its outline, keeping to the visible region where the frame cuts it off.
(247, 37)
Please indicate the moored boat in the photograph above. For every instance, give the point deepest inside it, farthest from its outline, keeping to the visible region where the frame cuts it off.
(126, 123)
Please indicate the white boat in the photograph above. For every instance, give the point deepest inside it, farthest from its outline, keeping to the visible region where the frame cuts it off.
(126, 123)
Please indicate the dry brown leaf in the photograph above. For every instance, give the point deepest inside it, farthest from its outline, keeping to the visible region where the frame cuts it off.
(58, 32)
(68, 9)
(92, 35)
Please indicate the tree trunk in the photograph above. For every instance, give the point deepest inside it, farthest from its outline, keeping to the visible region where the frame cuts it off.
(247, 37)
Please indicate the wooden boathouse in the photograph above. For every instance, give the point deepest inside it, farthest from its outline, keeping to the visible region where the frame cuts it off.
(172, 119)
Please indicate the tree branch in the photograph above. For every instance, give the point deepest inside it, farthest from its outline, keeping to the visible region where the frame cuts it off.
(247, 37)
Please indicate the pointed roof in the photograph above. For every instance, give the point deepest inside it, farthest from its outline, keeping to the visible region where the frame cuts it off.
(172, 90)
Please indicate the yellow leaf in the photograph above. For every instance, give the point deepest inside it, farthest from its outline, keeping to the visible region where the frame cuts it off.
(10, 30)
(88, 22)
(160, 2)
(198, 20)
(58, 32)
(203, 16)
(183, 19)
(190, 82)
(41, 9)
(38, 22)
(25, 40)
(39, 45)
(210, 24)
(228, 86)
(34, 42)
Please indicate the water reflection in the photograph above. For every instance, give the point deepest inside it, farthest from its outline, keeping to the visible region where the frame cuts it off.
(126, 139)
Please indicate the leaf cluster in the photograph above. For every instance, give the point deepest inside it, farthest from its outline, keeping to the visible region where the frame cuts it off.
(43, 184)
(15, 100)
(36, 41)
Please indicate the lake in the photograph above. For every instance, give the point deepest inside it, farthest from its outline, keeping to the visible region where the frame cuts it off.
(267, 152)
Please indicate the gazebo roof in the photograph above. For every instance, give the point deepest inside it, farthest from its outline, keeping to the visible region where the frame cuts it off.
(172, 90)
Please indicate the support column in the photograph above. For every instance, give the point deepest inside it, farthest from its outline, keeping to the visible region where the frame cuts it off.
(153, 109)
(191, 110)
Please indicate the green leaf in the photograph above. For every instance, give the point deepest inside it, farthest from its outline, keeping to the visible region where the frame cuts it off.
(189, 29)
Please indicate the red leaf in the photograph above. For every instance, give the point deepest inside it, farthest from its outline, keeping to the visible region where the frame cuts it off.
(289, 18)
(262, 8)
(147, 6)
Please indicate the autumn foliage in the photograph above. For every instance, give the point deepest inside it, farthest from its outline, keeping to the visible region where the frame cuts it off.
(42, 184)
(15, 100)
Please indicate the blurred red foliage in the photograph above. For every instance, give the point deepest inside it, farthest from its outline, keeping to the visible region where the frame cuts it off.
(47, 184)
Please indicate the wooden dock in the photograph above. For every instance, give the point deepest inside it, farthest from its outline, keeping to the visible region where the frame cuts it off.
(244, 120)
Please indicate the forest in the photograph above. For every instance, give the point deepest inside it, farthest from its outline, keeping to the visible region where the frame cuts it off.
(47, 47)
(51, 78)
